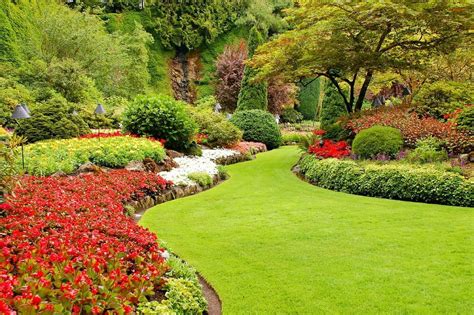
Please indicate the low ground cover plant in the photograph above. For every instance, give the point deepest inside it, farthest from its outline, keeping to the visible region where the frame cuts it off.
(48, 157)
(403, 182)
(259, 126)
(67, 246)
(428, 150)
(247, 147)
(201, 178)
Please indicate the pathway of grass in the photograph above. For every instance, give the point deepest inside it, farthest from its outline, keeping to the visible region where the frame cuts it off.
(270, 243)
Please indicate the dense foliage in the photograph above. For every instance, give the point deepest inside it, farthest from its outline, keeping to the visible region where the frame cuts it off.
(428, 150)
(259, 126)
(377, 140)
(465, 119)
(252, 95)
(291, 115)
(218, 131)
(67, 246)
(333, 107)
(404, 182)
(281, 95)
(52, 120)
(229, 71)
(330, 149)
(308, 97)
(161, 117)
(414, 128)
(49, 157)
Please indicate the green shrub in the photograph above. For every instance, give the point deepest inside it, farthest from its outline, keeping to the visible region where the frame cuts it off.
(308, 98)
(403, 182)
(291, 115)
(336, 132)
(201, 178)
(333, 107)
(222, 172)
(259, 126)
(465, 120)
(48, 157)
(377, 140)
(161, 117)
(52, 120)
(220, 132)
(293, 138)
(428, 150)
(443, 97)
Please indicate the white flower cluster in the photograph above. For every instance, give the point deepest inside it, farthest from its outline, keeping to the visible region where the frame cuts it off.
(191, 164)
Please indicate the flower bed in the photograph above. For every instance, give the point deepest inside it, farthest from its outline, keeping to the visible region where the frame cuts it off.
(414, 128)
(48, 157)
(330, 149)
(403, 182)
(66, 244)
(245, 147)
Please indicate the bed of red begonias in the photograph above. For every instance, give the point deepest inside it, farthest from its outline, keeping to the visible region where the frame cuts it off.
(330, 149)
(66, 245)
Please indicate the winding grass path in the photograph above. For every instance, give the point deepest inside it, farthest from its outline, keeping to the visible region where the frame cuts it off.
(270, 243)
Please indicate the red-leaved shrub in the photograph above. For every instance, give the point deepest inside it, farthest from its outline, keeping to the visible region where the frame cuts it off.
(280, 95)
(330, 149)
(66, 245)
(413, 127)
(229, 71)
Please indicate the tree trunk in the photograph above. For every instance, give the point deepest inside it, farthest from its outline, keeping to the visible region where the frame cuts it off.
(363, 90)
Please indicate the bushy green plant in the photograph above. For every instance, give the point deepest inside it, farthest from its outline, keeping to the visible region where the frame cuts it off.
(336, 132)
(308, 98)
(201, 178)
(443, 97)
(428, 150)
(291, 115)
(333, 107)
(377, 140)
(293, 138)
(222, 172)
(219, 131)
(465, 119)
(252, 95)
(403, 182)
(52, 120)
(161, 117)
(48, 157)
(258, 125)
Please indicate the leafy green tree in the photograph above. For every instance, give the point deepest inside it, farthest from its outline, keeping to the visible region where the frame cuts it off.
(188, 24)
(266, 15)
(333, 107)
(308, 97)
(252, 95)
(349, 42)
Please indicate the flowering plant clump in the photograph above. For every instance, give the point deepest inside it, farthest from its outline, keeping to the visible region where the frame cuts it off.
(66, 245)
(330, 149)
(413, 127)
(319, 132)
(245, 147)
(201, 138)
(118, 133)
(49, 157)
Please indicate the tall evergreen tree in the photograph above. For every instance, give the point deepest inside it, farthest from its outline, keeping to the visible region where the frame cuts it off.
(333, 106)
(253, 95)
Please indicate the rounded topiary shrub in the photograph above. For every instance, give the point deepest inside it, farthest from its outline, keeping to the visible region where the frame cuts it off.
(161, 117)
(377, 140)
(258, 125)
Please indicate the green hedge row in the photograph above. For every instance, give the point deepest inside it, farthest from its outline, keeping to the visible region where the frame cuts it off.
(402, 182)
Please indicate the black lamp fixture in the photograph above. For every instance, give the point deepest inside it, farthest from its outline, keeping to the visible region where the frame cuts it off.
(99, 110)
(406, 91)
(21, 112)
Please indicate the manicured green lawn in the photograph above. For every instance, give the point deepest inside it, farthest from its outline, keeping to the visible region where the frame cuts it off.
(270, 243)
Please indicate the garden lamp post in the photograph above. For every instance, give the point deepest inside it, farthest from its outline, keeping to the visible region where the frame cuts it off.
(99, 110)
(21, 112)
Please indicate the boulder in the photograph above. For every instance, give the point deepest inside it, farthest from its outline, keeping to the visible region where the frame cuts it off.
(88, 168)
(135, 166)
(174, 154)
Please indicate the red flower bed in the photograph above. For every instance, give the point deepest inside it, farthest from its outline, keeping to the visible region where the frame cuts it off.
(67, 246)
(413, 127)
(329, 149)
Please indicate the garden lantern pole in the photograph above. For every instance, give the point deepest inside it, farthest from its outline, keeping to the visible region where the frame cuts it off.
(99, 110)
(21, 112)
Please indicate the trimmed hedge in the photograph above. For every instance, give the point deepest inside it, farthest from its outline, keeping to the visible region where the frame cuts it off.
(258, 126)
(403, 182)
